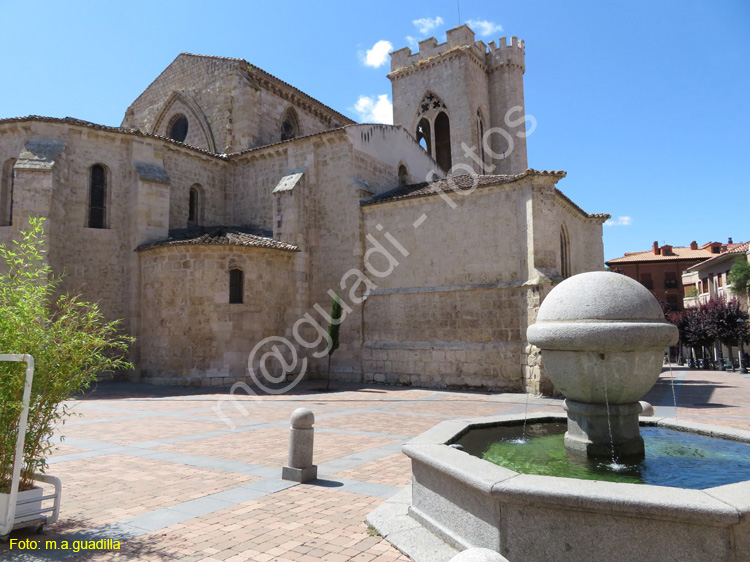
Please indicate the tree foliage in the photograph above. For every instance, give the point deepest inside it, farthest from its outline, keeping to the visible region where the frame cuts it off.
(739, 276)
(726, 321)
(69, 339)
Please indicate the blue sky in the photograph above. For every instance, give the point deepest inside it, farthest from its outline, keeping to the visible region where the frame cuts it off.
(643, 103)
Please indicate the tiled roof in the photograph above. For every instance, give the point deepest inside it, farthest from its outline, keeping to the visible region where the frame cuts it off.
(262, 147)
(732, 249)
(90, 125)
(463, 182)
(469, 181)
(679, 253)
(221, 236)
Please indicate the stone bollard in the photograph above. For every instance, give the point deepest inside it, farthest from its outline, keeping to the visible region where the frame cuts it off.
(301, 468)
(646, 408)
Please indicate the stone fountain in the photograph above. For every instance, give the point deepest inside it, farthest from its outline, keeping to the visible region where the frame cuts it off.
(603, 338)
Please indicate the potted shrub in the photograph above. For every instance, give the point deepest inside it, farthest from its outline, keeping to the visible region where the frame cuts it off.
(70, 342)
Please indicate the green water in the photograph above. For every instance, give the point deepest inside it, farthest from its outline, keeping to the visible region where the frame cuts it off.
(673, 458)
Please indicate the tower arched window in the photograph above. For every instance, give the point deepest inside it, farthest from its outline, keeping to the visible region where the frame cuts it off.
(97, 197)
(564, 253)
(6, 192)
(195, 205)
(289, 125)
(423, 135)
(480, 141)
(178, 128)
(443, 141)
(236, 285)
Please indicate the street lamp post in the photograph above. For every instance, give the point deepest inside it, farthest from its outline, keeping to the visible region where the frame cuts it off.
(743, 367)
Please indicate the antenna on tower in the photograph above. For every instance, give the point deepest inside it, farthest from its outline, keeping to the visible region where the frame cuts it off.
(458, 5)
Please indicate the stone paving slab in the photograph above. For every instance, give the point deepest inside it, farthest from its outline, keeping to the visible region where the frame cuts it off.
(159, 470)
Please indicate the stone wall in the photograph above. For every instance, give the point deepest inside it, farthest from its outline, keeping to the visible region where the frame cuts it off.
(450, 313)
(190, 333)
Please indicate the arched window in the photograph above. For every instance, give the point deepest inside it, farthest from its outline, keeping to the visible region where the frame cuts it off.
(178, 128)
(97, 196)
(403, 175)
(564, 253)
(443, 141)
(289, 125)
(423, 135)
(195, 206)
(236, 285)
(480, 140)
(6, 193)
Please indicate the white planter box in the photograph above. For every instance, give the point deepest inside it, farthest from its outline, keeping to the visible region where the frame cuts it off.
(23, 510)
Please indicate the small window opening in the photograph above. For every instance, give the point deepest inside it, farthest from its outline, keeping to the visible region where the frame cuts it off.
(403, 175)
(236, 285)
(178, 128)
(6, 193)
(98, 197)
(193, 207)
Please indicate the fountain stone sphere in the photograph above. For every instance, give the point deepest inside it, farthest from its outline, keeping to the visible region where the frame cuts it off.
(603, 337)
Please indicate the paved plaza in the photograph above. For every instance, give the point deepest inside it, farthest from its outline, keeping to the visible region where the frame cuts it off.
(162, 471)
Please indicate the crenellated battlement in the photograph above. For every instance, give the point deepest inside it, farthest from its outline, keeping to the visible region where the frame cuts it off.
(502, 53)
(462, 37)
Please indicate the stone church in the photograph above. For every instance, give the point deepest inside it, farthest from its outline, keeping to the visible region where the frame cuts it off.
(221, 217)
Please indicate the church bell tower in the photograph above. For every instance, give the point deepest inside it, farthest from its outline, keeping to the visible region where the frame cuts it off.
(463, 102)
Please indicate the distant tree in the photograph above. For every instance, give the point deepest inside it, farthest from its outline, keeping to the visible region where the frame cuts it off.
(726, 321)
(739, 276)
(678, 319)
(696, 328)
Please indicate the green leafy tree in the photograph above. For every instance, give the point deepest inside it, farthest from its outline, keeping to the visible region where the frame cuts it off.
(726, 321)
(69, 339)
(333, 334)
(739, 276)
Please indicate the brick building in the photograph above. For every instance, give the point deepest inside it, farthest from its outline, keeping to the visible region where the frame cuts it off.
(660, 269)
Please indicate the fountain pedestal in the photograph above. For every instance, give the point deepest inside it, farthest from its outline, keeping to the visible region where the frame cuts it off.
(602, 337)
(597, 431)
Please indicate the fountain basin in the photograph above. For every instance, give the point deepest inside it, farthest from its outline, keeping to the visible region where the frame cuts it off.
(469, 502)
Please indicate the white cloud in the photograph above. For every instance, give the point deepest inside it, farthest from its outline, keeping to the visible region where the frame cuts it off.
(378, 55)
(619, 221)
(413, 42)
(425, 25)
(374, 111)
(484, 27)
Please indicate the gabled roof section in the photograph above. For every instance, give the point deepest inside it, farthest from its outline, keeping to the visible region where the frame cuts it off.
(733, 250)
(221, 236)
(462, 182)
(260, 75)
